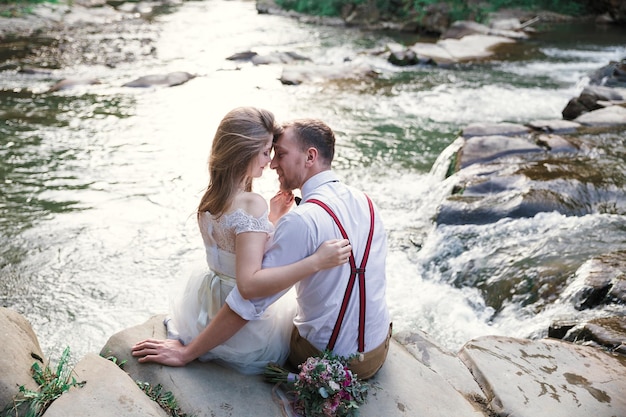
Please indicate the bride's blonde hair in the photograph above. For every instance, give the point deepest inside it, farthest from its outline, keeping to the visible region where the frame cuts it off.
(240, 137)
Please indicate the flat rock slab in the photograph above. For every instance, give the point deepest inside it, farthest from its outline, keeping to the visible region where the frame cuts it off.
(483, 149)
(444, 363)
(171, 79)
(494, 129)
(525, 378)
(409, 388)
(608, 116)
(403, 387)
(555, 125)
(467, 48)
(122, 398)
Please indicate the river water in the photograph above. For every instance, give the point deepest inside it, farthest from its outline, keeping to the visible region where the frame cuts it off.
(100, 182)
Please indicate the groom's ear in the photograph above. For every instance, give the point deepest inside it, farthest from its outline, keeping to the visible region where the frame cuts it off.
(311, 156)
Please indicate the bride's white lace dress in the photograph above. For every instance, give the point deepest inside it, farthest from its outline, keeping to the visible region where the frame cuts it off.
(260, 341)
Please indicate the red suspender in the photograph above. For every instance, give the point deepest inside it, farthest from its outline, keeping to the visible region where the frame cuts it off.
(354, 271)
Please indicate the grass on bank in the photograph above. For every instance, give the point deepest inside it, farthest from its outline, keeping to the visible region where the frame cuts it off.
(52, 384)
(17, 8)
(458, 9)
(165, 399)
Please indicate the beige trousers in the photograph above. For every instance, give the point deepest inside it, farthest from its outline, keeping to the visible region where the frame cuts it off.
(364, 367)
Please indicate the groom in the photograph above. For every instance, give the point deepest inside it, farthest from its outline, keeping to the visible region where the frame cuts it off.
(342, 309)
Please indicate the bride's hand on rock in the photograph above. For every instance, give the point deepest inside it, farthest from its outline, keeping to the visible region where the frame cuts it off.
(333, 253)
(166, 352)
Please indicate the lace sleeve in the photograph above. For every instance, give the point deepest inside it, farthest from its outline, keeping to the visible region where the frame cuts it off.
(242, 222)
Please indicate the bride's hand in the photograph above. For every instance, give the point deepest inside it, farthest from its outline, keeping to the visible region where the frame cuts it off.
(333, 253)
(167, 352)
(280, 205)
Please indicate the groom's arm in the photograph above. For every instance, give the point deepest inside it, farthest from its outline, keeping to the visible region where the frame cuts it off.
(172, 353)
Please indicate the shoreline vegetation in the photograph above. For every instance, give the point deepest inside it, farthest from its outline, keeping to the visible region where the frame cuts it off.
(457, 9)
(429, 17)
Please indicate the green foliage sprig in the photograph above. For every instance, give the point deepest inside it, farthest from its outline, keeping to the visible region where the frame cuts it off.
(164, 398)
(52, 384)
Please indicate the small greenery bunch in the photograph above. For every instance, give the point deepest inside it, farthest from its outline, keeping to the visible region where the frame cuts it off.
(52, 384)
(165, 399)
(324, 387)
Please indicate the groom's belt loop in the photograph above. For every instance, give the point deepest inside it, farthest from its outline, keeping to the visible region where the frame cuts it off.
(354, 272)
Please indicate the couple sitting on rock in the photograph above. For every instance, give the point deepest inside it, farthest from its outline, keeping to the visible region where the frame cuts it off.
(331, 249)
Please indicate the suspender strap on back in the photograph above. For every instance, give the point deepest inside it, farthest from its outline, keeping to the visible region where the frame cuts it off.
(354, 272)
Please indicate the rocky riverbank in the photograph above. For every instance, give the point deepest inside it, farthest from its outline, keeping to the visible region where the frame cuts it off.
(489, 376)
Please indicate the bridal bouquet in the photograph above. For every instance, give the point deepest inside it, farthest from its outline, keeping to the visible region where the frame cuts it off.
(324, 387)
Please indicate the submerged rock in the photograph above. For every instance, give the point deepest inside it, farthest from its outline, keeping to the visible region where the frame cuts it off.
(168, 80)
(69, 83)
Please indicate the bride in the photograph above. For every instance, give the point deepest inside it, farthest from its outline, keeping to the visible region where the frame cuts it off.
(236, 227)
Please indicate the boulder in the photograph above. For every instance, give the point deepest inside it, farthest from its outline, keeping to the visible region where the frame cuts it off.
(20, 349)
(473, 47)
(468, 48)
(481, 149)
(491, 129)
(599, 281)
(69, 83)
(441, 361)
(278, 58)
(593, 97)
(554, 126)
(434, 52)
(497, 176)
(202, 389)
(490, 376)
(403, 386)
(605, 332)
(108, 391)
(547, 377)
(167, 80)
(607, 116)
(555, 143)
(509, 28)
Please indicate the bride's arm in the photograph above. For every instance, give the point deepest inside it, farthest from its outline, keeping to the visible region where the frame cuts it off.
(255, 282)
(172, 353)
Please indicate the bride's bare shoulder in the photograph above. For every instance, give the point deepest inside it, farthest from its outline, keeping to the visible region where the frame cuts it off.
(252, 203)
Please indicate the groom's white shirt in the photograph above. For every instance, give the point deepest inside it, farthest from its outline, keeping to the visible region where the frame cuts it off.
(298, 234)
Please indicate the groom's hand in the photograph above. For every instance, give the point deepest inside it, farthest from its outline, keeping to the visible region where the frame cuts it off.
(167, 352)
